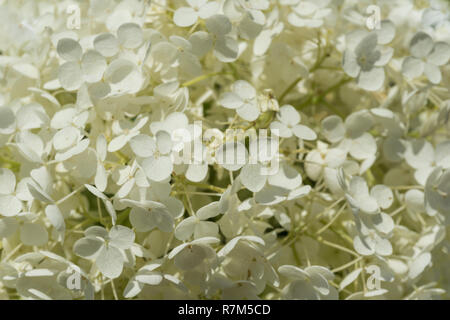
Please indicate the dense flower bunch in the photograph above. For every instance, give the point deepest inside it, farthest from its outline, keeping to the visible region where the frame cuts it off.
(333, 121)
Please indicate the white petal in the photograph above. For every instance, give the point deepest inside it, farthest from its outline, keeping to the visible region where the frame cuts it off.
(95, 232)
(383, 222)
(124, 76)
(130, 35)
(412, 67)
(440, 54)
(121, 237)
(319, 283)
(158, 169)
(218, 24)
(118, 143)
(230, 100)
(414, 200)
(252, 177)
(419, 154)
(8, 226)
(358, 122)
(190, 257)
(303, 132)
(143, 145)
(93, 65)
(69, 49)
(7, 120)
(209, 211)
(363, 147)
(226, 49)
(7, 181)
(208, 9)
(66, 138)
(383, 247)
(292, 272)
(433, 73)
(288, 115)
(383, 195)
(132, 289)
(185, 229)
(110, 262)
(152, 279)
(421, 45)
(185, 17)
(107, 44)
(371, 80)
(38, 193)
(201, 43)
(270, 195)
(286, 177)
(280, 129)
(101, 179)
(162, 219)
(196, 172)
(244, 90)
(9, 205)
(249, 111)
(206, 229)
(333, 128)
(163, 142)
(87, 247)
(358, 186)
(349, 278)
(350, 64)
(232, 155)
(140, 219)
(386, 33)
(55, 216)
(70, 76)
(96, 192)
(33, 234)
(419, 264)
(362, 247)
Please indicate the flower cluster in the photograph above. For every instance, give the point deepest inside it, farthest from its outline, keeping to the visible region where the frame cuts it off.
(225, 149)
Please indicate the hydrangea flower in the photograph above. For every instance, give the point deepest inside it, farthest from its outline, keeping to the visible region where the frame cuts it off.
(311, 283)
(365, 57)
(187, 16)
(426, 57)
(106, 248)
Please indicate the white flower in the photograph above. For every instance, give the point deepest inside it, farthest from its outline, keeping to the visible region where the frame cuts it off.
(352, 136)
(288, 124)
(242, 98)
(426, 58)
(197, 225)
(380, 196)
(371, 238)
(364, 58)
(107, 249)
(158, 165)
(146, 220)
(312, 283)
(226, 48)
(10, 205)
(187, 16)
(309, 13)
(126, 131)
(421, 156)
(437, 190)
(80, 67)
(191, 254)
